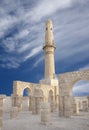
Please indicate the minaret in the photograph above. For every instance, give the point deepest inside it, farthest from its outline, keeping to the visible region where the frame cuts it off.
(49, 48)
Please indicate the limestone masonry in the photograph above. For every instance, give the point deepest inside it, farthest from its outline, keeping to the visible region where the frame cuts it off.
(50, 94)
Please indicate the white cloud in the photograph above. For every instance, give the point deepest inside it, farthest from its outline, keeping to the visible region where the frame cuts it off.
(47, 7)
(71, 34)
(33, 52)
(6, 23)
(38, 61)
(70, 27)
(80, 2)
(10, 62)
(24, 47)
(23, 33)
(9, 44)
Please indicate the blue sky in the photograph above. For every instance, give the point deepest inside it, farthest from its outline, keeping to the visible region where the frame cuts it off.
(22, 32)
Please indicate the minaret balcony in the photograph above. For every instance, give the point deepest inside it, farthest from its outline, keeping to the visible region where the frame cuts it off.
(49, 46)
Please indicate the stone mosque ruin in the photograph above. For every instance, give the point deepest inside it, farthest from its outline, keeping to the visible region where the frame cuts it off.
(50, 94)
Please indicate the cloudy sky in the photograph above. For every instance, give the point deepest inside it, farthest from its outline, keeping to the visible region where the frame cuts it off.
(22, 32)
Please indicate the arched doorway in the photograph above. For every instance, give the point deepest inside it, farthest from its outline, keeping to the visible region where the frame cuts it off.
(26, 102)
(80, 92)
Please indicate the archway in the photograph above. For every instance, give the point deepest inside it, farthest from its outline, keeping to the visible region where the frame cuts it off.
(26, 101)
(80, 92)
(27, 92)
(66, 82)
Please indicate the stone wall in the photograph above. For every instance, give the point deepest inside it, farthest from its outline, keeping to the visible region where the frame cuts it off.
(43, 91)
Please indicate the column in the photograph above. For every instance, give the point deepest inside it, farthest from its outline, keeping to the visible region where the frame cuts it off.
(61, 106)
(30, 103)
(85, 106)
(36, 105)
(67, 106)
(53, 104)
(75, 107)
(45, 113)
(88, 101)
(17, 101)
(14, 112)
(57, 101)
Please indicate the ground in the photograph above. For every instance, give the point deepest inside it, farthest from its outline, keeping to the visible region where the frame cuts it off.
(27, 121)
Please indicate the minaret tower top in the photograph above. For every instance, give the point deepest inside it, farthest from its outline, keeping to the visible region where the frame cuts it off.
(49, 48)
(49, 38)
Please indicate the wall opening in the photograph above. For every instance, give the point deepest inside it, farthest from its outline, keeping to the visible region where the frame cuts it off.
(26, 99)
(81, 88)
(26, 92)
(80, 93)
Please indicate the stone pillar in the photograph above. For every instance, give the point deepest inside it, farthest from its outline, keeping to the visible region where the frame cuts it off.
(1, 110)
(88, 101)
(52, 102)
(61, 106)
(75, 107)
(17, 101)
(85, 106)
(45, 113)
(67, 106)
(14, 112)
(52, 106)
(33, 106)
(36, 105)
(30, 103)
(57, 101)
(14, 100)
